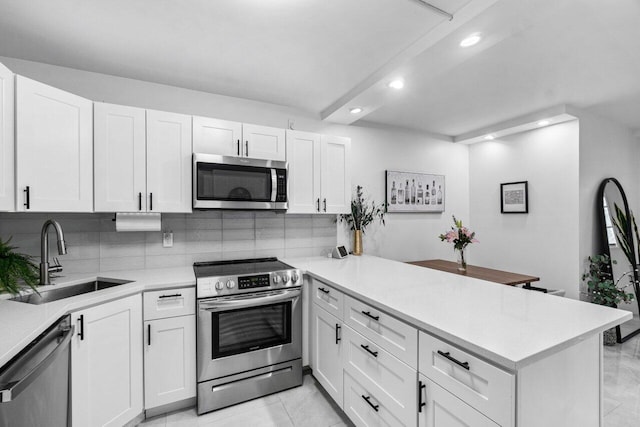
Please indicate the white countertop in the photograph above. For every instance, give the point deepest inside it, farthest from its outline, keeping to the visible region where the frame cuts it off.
(510, 326)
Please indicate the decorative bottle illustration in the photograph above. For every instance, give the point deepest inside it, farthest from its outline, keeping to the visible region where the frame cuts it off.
(413, 191)
(394, 193)
(407, 195)
(426, 196)
(439, 194)
(433, 193)
(400, 194)
(420, 196)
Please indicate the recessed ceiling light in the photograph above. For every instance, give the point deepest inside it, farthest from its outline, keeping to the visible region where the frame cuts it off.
(489, 137)
(543, 122)
(355, 110)
(396, 84)
(471, 40)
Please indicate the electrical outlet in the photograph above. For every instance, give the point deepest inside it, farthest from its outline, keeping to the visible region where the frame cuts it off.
(167, 239)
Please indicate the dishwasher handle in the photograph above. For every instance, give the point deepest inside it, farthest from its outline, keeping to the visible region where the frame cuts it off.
(14, 388)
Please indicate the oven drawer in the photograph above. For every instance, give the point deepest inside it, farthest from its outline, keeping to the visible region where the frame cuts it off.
(169, 303)
(395, 336)
(366, 361)
(327, 297)
(485, 387)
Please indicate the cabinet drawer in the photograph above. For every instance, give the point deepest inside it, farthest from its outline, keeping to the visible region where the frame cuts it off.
(395, 336)
(169, 303)
(368, 406)
(372, 365)
(485, 387)
(327, 298)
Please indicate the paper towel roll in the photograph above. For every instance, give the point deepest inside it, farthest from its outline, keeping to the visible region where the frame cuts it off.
(136, 221)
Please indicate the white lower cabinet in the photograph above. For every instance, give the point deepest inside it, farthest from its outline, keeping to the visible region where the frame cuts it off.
(327, 352)
(106, 359)
(439, 408)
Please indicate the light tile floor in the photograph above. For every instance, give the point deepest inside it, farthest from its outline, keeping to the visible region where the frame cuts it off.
(309, 405)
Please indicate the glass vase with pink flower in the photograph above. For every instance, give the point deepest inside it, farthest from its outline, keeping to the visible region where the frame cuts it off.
(461, 237)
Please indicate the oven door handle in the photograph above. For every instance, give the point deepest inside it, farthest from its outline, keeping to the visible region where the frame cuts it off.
(238, 302)
(274, 185)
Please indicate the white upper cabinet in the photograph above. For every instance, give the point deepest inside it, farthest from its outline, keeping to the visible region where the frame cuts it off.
(303, 155)
(120, 158)
(226, 138)
(261, 142)
(168, 162)
(54, 149)
(319, 173)
(336, 174)
(213, 136)
(7, 183)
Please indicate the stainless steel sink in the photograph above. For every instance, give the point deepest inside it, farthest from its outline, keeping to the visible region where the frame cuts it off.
(69, 291)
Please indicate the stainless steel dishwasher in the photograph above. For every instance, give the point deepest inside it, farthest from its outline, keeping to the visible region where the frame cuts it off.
(34, 385)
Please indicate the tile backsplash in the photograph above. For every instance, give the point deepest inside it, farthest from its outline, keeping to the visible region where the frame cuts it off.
(94, 245)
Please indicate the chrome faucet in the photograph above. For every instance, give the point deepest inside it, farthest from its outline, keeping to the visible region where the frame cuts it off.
(44, 251)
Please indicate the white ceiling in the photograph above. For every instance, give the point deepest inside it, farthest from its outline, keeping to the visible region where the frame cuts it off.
(324, 56)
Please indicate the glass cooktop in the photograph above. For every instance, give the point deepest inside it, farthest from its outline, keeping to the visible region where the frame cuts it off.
(238, 267)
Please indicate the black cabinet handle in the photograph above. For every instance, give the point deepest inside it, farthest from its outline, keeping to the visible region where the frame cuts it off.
(318, 204)
(238, 147)
(324, 202)
(140, 201)
(421, 404)
(27, 202)
(448, 356)
(246, 148)
(170, 296)
(371, 352)
(324, 291)
(149, 334)
(368, 400)
(338, 327)
(369, 315)
(150, 201)
(81, 328)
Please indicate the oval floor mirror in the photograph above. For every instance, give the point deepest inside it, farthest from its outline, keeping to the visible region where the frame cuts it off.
(618, 240)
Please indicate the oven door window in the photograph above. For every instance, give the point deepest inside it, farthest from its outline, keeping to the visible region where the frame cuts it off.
(249, 329)
(230, 182)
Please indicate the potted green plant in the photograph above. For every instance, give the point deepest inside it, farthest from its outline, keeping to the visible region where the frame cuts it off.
(363, 213)
(17, 271)
(604, 290)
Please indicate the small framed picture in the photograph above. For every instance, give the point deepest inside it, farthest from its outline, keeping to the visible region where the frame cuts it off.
(414, 192)
(514, 197)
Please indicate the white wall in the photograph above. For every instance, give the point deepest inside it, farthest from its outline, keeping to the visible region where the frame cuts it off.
(406, 236)
(544, 242)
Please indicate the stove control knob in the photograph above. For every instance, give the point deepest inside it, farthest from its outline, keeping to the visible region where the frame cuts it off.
(295, 277)
(231, 284)
(276, 279)
(286, 278)
(219, 286)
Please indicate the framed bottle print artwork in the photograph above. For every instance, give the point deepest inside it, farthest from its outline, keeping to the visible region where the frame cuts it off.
(514, 197)
(414, 192)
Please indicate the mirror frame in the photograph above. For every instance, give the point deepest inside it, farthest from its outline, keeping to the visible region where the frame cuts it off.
(604, 245)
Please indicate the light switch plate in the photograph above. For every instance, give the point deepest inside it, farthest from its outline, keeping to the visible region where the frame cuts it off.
(167, 239)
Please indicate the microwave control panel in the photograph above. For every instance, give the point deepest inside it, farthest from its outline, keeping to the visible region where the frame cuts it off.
(281, 190)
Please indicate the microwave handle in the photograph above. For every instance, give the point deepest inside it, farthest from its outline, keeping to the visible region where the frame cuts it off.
(274, 185)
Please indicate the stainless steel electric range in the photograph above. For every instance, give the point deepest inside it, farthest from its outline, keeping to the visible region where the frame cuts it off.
(249, 330)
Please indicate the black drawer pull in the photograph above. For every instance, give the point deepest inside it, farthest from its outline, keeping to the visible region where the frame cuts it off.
(368, 400)
(150, 201)
(139, 201)
(421, 404)
(324, 203)
(366, 347)
(27, 203)
(324, 291)
(318, 204)
(369, 315)
(238, 147)
(170, 296)
(448, 356)
(149, 334)
(338, 338)
(81, 328)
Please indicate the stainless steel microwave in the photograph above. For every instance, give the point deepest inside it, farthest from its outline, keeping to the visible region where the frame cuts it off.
(224, 182)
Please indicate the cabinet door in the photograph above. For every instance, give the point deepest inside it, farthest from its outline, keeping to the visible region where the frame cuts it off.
(7, 184)
(327, 352)
(54, 149)
(213, 136)
(439, 408)
(303, 156)
(261, 142)
(168, 162)
(169, 360)
(335, 185)
(120, 157)
(106, 358)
